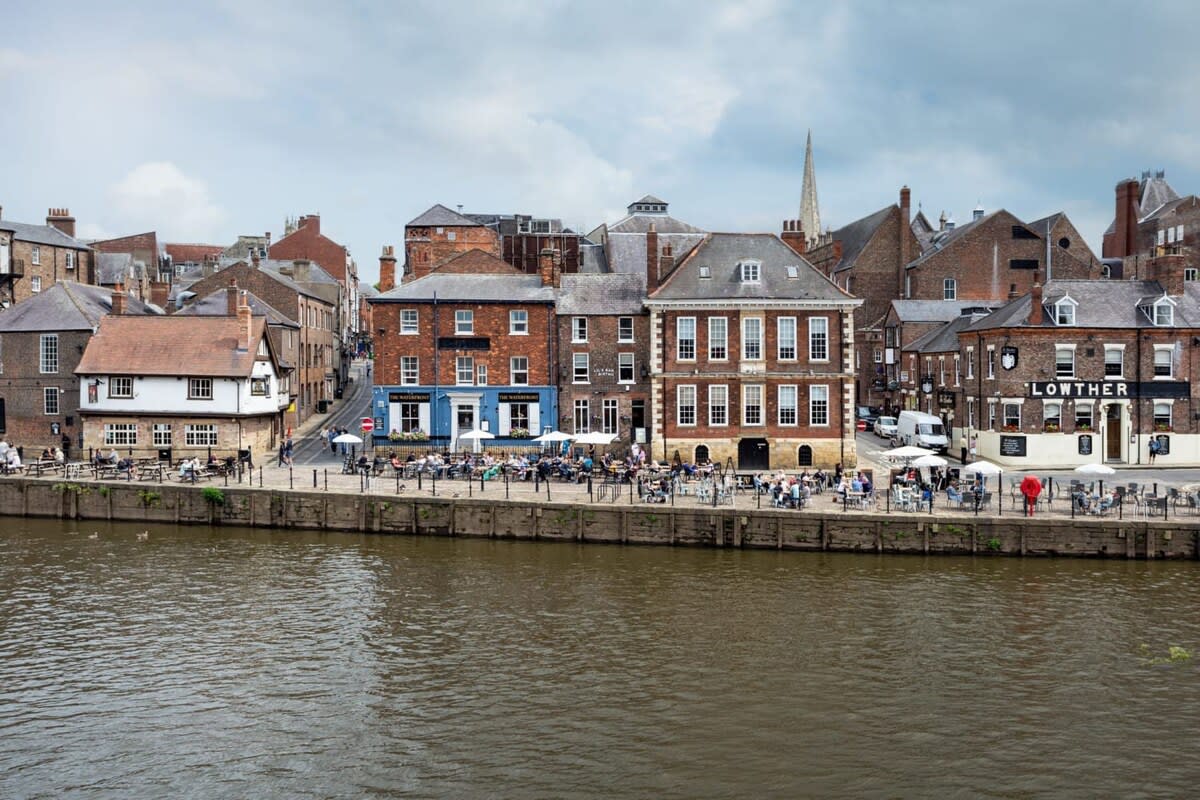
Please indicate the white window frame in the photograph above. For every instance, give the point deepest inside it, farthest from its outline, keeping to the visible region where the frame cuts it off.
(120, 434)
(1058, 350)
(783, 336)
(751, 271)
(1064, 312)
(1169, 351)
(518, 322)
(685, 405)
(35, 255)
(610, 415)
(991, 414)
(625, 332)
(991, 362)
(50, 405)
(481, 375)
(970, 363)
(949, 289)
(818, 405)
(957, 370)
(1163, 307)
(718, 405)
(749, 392)
(200, 434)
(788, 408)
(818, 339)
(35, 284)
(48, 354)
(199, 388)
(410, 322)
(1046, 416)
(583, 411)
(518, 366)
(1004, 406)
(70, 259)
(464, 366)
(718, 338)
(1119, 349)
(578, 359)
(579, 330)
(752, 340)
(161, 434)
(680, 324)
(120, 387)
(1170, 406)
(410, 377)
(626, 361)
(464, 322)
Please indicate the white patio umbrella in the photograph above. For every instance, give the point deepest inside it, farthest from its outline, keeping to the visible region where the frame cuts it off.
(930, 461)
(905, 454)
(475, 436)
(981, 468)
(595, 437)
(347, 438)
(1095, 469)
(553, 437)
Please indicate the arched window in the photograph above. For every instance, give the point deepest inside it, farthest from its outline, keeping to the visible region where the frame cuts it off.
(701, 454)
(949, 289)
(804, 456)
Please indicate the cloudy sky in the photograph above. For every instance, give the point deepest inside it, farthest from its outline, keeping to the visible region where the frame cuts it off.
(203, 121)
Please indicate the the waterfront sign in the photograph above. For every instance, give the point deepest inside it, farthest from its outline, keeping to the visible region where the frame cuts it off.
(1114, 389)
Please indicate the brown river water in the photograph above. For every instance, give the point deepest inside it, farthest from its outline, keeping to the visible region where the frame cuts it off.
(204, 663)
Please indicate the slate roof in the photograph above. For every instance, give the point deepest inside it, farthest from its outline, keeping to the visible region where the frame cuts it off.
(274, 267)
(65, 306)
(1043, 226)
(440, 215)
(651, 199)
(945, 338)
(470, 288)
(722, 254)
(641, 222)
(215, 304)
(592, 257)
(626, 252)
(367, 290)
(602, 294)
(854, 237)
(940, 240)
(928, 310)
(198, 345)
(41, 234)
(1101, 304)
(922, 230)
(1168, 207)
(112, 268)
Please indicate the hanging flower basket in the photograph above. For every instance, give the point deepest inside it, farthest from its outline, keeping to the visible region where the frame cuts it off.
(519, 433)
(408, 436)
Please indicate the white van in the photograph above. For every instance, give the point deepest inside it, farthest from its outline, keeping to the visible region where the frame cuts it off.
(921, 430)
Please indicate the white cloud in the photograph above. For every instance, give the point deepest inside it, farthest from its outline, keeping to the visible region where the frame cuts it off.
(158, 195)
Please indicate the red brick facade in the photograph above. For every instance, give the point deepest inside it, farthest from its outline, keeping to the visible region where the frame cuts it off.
(427, 246)
(604, 388)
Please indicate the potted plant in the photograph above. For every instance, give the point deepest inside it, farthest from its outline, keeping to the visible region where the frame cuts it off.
(1162, 427)
(1012, 428)
(1051, 427)
(417, 435)
(1083, 427)
(519, 433)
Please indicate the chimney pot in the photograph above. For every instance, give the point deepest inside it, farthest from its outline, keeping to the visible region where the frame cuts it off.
(118, 299)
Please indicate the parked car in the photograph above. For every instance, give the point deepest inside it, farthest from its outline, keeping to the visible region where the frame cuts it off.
(867, 414)
(885, 427)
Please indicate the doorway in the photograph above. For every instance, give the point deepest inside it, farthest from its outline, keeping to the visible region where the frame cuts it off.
(753, 454)
(1112, 432)
(464, 421)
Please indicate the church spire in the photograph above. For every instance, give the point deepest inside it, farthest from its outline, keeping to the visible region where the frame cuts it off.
(810, 214)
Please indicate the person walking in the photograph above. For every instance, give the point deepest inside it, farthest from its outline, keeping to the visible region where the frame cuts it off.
(288, 449)
(1154, 448)
(332, 436)
(1031, 487)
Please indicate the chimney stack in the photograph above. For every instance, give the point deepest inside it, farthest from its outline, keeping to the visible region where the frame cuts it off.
(905, 238)
(550, 267)
(387, 269)
(254, 259)
(160, 294)
(312, 222)
(245, 321)
(1125, 229)
(652, 273)
(667, 262)
(118, 299)
(793, 236)
(1013, 294)
(301, 270)
(61, 218)
(1035, 305)
(231, 298)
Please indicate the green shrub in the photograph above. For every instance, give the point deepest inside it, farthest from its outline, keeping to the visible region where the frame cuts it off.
(214, 496)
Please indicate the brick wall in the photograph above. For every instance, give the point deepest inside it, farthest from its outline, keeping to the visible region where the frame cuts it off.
(22, 388)
(603, 349)
(51, 268)
(307, 242)
(425, 247)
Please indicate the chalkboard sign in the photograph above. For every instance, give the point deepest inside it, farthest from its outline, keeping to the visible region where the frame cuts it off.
(1164, 445)
(1085, 445)
(1012, 446)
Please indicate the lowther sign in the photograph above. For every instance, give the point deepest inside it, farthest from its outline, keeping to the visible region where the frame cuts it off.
(1108, 389)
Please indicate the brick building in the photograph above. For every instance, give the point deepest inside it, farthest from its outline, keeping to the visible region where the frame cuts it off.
(460, 351)
(295, 289)
(1086, 371)
(907, 323)
(35, 257)
(624, 243)
(523, 238)
(141, 248)
(440, 234)
(751, 356)
(604, 347)
(41, 341)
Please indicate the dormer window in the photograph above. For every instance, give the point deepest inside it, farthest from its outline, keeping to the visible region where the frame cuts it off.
(1064, 312)
(751, 271)
(705, 273)
(1164, 314)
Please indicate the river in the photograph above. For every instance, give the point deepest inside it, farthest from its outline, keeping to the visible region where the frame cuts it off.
(205, 663)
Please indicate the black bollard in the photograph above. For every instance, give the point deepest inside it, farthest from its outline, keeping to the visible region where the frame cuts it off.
(481, 482)
(193, 477)
(260, 477)
(591, 498)
(314, 479)
(226, 477)
(291, 479)
(506, 485)
(397, 483)
(327, 480)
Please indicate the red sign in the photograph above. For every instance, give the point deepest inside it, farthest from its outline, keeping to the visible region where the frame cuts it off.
(368, 424)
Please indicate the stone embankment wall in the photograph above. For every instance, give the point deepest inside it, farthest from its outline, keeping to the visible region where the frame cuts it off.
(625, 524)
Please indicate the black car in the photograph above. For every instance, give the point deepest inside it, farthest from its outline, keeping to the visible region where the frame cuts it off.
(868, 414)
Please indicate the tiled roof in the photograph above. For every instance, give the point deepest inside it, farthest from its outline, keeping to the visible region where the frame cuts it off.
(945, 338)
(927, 310)
(626, 252)
(217, 304)
(471, 288)
(640, 223)
(854, 237)
(65, 306)
(1101, 304)
(181, 253)
(602, 294)
(174, 345)
(440, 215)
(722, 253)
(41, 234)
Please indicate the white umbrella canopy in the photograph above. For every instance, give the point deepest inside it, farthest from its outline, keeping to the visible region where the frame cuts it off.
(981, 468)
(905, 453)
(930, 461)
(347, 438)
(595, 437)
(1095, 469)
(476, 435)
(554, 436)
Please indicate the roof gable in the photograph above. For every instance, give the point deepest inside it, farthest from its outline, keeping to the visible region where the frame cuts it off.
(438, 214)
(199, 346)
(476, 262)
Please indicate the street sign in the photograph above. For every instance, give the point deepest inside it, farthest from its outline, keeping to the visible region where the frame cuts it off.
(368, 424)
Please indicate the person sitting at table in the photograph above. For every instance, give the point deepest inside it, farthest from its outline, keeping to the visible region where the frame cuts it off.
(126, 467)
(363, 465)
(856, 483)
(13, 459)
(59, 456)
(47, 455)
(797, 493)
(867, 486)
(113, 456)
(953, 494)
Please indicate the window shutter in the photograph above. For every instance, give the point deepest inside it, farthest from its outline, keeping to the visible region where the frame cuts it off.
(505, 419)
(422, 417)
(535, 421)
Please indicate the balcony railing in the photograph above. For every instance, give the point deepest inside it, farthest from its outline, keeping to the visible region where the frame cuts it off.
(15, 268)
